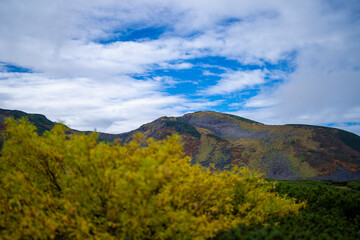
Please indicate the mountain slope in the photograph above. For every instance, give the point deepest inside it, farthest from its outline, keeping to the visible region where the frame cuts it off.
(279, 152)
(40, 121)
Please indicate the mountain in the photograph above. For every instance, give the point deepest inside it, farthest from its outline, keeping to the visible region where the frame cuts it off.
(279, 152)
(40, 121)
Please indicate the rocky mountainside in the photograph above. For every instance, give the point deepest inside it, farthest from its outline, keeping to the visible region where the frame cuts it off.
(279, 152)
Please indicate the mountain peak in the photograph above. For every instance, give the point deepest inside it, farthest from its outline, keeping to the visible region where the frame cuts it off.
(219, 115)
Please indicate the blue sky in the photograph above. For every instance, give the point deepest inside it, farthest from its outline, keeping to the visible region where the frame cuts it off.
(115, 65)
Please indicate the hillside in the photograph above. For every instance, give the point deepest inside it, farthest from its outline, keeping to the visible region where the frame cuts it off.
(279, 152)
(40, 121)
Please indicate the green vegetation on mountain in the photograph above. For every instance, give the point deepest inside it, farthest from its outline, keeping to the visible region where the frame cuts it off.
(62, 186)
(183, 127)
(350, 139)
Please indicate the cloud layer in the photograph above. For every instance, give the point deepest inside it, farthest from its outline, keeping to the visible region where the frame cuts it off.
(114, 65)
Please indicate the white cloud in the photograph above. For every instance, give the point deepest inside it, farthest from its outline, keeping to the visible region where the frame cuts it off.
(323, 90)
(87, 104)
(260, 102)
(236, 81)
(87, 84)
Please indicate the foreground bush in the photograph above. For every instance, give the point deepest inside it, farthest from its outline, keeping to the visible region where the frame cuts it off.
(61, 186)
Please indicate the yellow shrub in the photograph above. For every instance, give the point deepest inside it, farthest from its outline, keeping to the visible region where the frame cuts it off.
(76, 187)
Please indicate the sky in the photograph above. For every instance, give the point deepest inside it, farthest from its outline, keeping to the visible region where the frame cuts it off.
(113, 65)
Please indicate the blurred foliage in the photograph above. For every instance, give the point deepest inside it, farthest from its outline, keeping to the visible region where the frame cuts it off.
(60, 186)
(332, 212)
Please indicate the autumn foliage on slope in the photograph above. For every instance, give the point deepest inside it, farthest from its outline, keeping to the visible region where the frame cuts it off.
(66, 187)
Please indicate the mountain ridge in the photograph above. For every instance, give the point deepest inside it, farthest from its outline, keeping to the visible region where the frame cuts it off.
(277, 151)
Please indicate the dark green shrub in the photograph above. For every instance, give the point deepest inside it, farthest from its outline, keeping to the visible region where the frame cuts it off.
(331, 213)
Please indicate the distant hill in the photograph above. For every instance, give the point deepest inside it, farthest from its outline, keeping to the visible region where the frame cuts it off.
(279, 152)
(40, 121)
